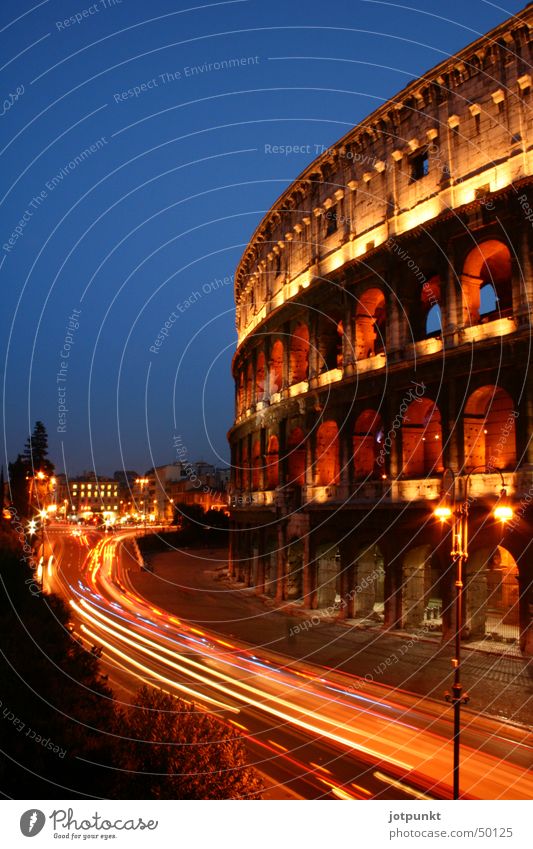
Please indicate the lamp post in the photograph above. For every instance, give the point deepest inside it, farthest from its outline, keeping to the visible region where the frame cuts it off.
(458, 514)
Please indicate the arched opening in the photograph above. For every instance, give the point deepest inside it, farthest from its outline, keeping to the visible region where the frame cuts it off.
(367, 438)
(421, 591)
(245, 469)
(296, 457)
(327, 570)
(433, 323)
(330, 340)
(272, 463)
(368, 590)
(249, 386)
(430, 320)
(260, 372)
(299, 354)
(276, 366)
(256, 464)
(370, 324)
(327, 454)
(489, 429)
(492, 596)
(421, 439)
(295, 566)
(270, 565)
(486, 283)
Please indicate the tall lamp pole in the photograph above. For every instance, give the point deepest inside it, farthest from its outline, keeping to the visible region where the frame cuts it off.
(458, 514)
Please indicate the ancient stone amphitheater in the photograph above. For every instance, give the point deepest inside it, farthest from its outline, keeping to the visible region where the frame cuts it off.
(384, 336)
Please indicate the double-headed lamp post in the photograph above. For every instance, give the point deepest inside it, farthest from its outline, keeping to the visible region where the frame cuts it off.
(457, 514)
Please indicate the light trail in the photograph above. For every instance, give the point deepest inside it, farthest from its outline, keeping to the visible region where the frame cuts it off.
(357, 723)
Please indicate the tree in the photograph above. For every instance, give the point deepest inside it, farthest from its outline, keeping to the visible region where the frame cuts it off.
(189, 515)
(174, 750)
(59, 714)
(36, 451)
(18, 487)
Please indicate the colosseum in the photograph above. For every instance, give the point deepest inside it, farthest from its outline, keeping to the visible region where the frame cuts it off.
(383, 310)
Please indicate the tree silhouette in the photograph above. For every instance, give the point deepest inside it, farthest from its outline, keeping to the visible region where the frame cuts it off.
(36, 451)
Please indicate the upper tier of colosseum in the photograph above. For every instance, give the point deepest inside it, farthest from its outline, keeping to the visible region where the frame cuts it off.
(460, 132)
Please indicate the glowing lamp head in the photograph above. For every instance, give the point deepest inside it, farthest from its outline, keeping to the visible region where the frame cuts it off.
(443, 512)
(503, 511)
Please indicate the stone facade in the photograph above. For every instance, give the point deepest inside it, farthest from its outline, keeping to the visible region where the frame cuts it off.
(384, 334)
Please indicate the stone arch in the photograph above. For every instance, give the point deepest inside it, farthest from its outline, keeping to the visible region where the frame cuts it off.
(421, 590)
(327, 570)
(368, 588)
(270, 564)
(245, 470)
(489, 429)
(272, 463)
(327, 454)
(421, 439)
(367, 437)
(486, 267)
(299, 354)
(330, 341)
(429, 318)
(370, 323)
(260, 375)
(296, 458)
(256, 464)
(295, 568)
(276, 366)
(492, 596)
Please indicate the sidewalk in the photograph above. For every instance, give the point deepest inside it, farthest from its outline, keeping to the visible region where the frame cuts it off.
(193, 586)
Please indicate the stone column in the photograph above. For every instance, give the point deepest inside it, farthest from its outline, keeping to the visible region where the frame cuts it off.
(345, 459)
(452, 310)
(523, 280)
(314, 367)
(231, 549)
(394, 329)
(281, 561)
(262, 469)
(285, 376)
(307, 583)
(524, 427)
(348, 342)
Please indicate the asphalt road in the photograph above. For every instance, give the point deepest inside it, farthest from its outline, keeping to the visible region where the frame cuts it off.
(312, 732)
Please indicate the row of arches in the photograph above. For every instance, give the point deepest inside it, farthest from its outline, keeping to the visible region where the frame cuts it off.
(489, 438)
(486, 293)
(413, 592)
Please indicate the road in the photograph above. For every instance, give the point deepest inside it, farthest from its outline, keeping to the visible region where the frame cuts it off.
(310, 731)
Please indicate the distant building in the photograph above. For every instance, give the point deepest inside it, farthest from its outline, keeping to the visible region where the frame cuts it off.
(88, 496)
(155, 494)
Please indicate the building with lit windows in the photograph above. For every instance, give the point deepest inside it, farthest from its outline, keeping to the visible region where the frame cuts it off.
(88, 497)
(383, 310)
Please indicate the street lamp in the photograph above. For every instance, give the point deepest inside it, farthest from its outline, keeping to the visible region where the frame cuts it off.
(448, 509)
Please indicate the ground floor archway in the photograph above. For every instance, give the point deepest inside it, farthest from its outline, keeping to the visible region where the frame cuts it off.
(492, 596)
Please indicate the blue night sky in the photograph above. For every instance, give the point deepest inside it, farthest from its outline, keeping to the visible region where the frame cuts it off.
(174, 180)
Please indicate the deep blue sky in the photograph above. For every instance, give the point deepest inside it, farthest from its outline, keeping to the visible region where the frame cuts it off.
(167, 203)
